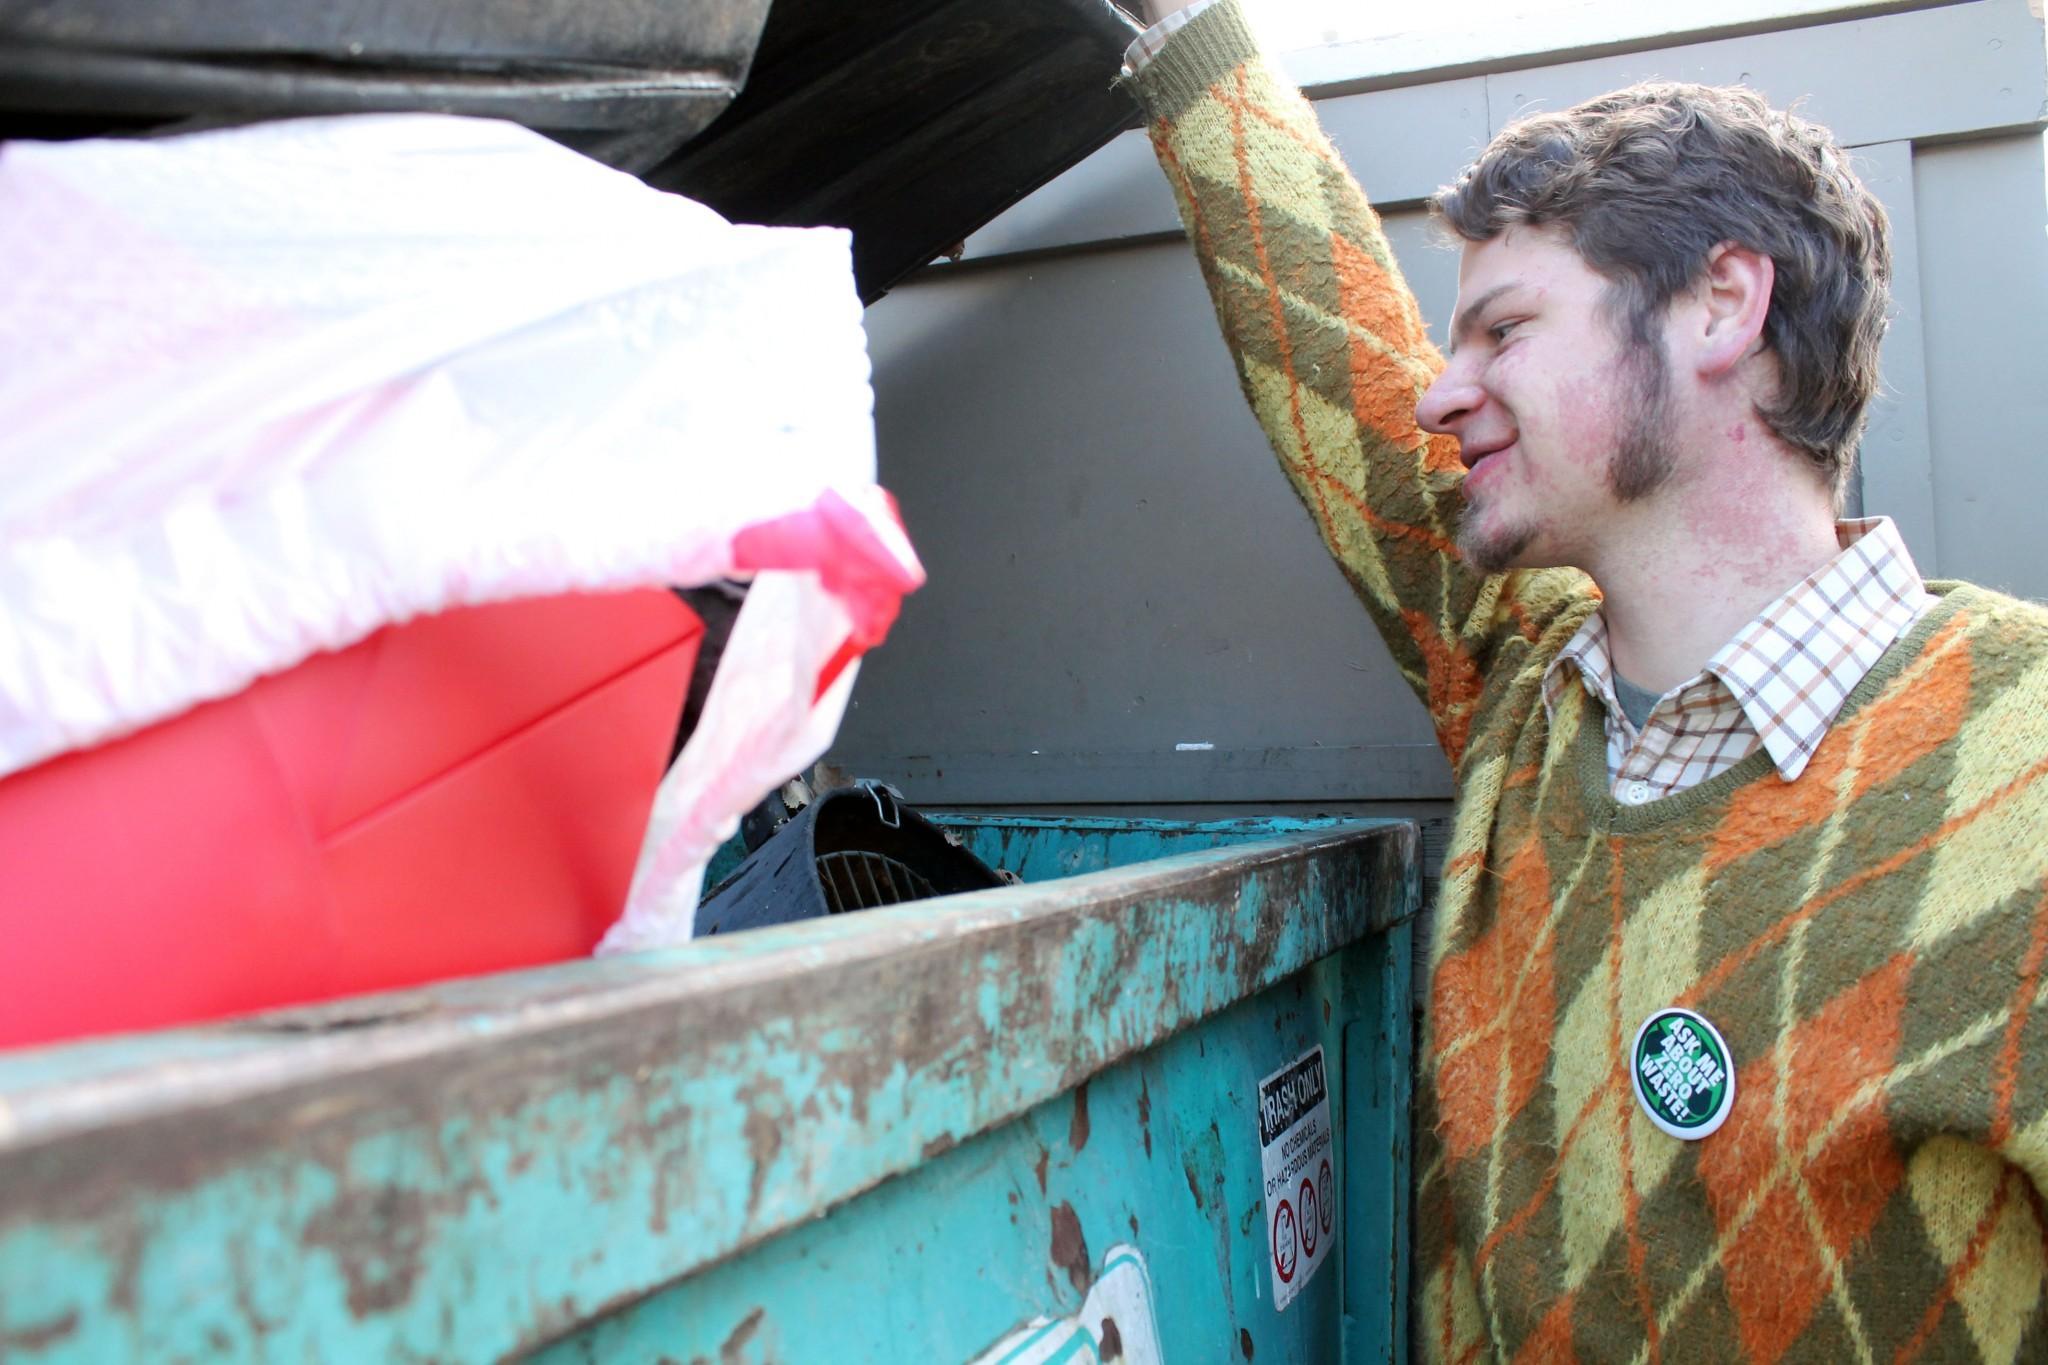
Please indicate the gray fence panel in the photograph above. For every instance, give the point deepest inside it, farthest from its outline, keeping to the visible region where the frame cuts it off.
(1984, 289)
(1119, 572)
(1957, 70)
(1896, 462)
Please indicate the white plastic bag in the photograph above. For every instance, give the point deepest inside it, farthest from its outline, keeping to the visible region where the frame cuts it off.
(266, 390)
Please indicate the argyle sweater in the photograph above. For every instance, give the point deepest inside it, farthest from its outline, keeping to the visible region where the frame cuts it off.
(1868, 940)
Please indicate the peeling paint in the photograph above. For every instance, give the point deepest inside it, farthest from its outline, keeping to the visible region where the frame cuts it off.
(375, 1237)
(1069, 1247)
(491, 1163)
(1112, 1340)
(39, 1338)
(731, 1352)
(966, 1279)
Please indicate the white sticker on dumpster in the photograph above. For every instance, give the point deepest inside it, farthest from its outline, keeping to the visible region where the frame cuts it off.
(1296, 1152)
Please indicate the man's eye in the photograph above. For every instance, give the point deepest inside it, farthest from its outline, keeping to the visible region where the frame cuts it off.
(1499, 331)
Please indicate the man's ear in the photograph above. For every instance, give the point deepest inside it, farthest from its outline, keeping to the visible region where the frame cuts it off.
(1735, 297)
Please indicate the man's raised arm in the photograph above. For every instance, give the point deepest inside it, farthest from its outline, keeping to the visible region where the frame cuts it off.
(1331, 351)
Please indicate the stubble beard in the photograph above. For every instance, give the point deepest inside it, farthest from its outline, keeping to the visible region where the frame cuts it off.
(1492, 552)
(1640, 464)
(1642, 458)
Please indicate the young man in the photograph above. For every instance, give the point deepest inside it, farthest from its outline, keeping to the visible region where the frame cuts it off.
(1734, 1040)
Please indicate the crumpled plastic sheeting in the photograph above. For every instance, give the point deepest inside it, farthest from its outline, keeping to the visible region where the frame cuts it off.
(265, 390)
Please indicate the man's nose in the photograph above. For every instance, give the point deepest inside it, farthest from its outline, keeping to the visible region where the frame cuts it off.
(1450, 400)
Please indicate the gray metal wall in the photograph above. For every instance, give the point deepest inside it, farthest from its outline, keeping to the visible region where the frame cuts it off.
(1127, 604)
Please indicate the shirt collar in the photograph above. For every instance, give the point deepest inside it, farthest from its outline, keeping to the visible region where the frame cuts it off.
(1793, 665)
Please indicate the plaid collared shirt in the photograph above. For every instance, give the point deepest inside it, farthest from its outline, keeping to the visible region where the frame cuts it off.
(1778, 683)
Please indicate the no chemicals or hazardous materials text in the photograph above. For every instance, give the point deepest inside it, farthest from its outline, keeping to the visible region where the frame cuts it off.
(1297, 1150)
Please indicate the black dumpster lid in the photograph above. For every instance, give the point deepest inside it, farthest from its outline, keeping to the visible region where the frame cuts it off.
(912, 122)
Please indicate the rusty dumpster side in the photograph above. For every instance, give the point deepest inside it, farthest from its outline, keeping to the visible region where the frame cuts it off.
(938, 1131)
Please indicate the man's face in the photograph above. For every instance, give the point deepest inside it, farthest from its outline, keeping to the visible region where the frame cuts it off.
(1560, 422)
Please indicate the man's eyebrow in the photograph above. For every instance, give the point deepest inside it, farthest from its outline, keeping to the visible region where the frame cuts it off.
(1468, 316)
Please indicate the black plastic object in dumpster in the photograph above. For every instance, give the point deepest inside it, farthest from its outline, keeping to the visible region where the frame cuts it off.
(624, 80)
(851, 849)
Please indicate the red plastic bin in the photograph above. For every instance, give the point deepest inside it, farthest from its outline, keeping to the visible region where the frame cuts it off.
(460, 794)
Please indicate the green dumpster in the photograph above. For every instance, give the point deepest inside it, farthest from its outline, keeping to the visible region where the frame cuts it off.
(1151, 1104)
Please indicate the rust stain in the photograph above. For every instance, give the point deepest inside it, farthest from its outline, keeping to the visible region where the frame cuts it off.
(1069, 1246)
(1112, 1340)
(1145, 1115)
(1194, 1186)
(1077, 1131)
(245, 1301)
(939, 1146)
(124, 1242)
(1013, 1196)
(1134, 1227)
(657, 1215)
(1326, 1011)
(1245, 961)
(1039, 1170)
(376, 1238)
(1244, 1342)
(763, 1131)
(40, 1338)
(729, 1353)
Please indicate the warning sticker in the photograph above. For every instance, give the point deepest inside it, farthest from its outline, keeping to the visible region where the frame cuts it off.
(1296, 1149)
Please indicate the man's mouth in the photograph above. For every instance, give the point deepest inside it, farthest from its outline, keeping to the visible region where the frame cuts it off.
(1474, 455)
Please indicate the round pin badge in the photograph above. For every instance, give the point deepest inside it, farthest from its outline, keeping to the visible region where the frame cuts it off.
(1683, 1075)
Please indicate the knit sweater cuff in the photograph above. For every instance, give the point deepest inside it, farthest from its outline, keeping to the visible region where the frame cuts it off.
(1212, 45)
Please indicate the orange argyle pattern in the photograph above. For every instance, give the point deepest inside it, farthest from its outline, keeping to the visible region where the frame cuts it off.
(1869, 940)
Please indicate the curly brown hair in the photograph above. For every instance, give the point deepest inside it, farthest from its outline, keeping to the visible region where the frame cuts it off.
(1646, 181)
